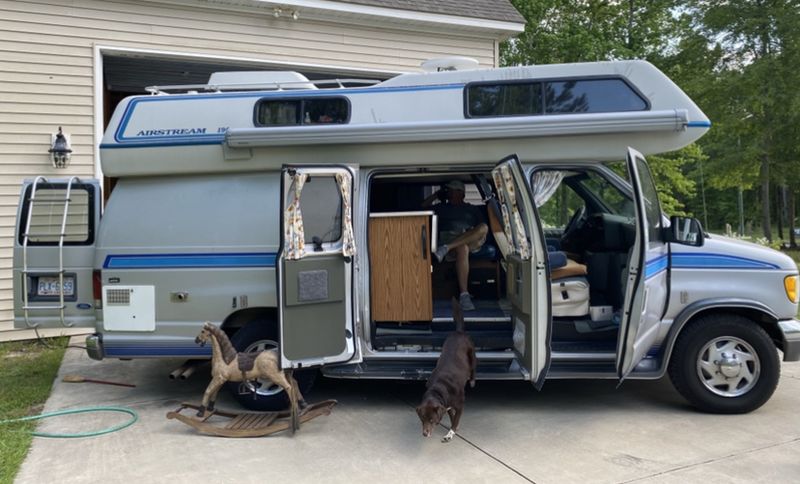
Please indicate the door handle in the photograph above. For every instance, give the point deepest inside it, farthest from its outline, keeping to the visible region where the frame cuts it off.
(424, 242)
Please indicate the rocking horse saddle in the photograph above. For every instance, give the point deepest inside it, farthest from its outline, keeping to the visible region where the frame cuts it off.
(246, 361)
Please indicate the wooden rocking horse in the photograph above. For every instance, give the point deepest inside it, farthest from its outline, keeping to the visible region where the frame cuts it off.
(228, 365)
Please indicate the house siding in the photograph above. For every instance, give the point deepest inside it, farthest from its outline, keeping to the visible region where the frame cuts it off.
(47, 57)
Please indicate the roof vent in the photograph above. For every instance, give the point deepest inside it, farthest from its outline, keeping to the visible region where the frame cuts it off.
(449, 64)
(260, 79)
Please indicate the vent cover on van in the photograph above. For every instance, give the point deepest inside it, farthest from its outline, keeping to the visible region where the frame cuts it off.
(118, 297)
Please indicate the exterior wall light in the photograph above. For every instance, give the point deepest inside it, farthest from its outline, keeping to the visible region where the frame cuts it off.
(295, 15)
(276, 12)
(60, 151)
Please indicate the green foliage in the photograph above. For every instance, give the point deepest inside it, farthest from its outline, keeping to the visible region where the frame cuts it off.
(740, 62)
(27, 370)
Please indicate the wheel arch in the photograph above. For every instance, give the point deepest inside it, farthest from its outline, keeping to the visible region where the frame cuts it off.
(755, 311)
(237, 319)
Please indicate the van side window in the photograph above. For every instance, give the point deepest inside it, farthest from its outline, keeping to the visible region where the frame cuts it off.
(570, 96)
(293, 112)
(651, 205)
(321, 205)
(48, 214)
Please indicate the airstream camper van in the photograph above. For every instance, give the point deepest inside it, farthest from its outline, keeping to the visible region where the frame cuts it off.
(289, 212)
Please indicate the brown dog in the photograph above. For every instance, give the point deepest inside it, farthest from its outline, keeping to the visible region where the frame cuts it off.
(445, 387)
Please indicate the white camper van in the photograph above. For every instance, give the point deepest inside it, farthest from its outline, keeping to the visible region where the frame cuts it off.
(291, 214)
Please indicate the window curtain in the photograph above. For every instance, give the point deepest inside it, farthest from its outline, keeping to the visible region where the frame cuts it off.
(511, 192)
(545, 184)
(293, 219)
(498, 182)
(348, 239)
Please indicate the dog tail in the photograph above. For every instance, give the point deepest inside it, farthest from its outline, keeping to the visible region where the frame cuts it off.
(458, 316)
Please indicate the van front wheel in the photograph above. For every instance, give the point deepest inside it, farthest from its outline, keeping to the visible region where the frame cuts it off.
(259, 335)
(725, 363)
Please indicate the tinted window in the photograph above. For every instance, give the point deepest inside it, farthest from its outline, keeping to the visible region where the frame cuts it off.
(321, 205)
(282, 112)
(504, 99)
(591, 96)
(651, 206)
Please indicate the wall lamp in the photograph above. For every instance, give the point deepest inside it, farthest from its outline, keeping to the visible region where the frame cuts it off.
(60, 151)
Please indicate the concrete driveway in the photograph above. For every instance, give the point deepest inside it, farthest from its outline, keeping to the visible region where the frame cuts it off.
(572, 431)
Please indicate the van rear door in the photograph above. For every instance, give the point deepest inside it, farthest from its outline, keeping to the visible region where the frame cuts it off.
(317, 308)
(648, 266)
(527, 286)
(54, 249)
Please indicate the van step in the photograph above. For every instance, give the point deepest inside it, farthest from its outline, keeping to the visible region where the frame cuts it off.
(419, 370)
(484, 340)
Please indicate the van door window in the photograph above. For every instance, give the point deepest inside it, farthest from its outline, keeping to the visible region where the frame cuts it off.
(313, 218)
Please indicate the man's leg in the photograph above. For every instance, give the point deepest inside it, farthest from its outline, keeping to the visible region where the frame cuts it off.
(473, 238)
(469, 241)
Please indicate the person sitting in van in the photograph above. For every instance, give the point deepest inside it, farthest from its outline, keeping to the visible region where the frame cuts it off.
(462, 230)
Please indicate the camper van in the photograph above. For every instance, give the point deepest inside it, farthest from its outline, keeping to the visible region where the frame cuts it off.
(291, 213)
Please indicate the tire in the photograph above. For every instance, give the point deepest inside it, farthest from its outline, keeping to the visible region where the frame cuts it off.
(725, 363)
(263, 334)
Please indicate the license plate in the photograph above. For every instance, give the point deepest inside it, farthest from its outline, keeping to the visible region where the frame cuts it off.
(49, 286)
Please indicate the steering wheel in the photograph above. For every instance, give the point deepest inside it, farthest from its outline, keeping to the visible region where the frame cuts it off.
(575, 223)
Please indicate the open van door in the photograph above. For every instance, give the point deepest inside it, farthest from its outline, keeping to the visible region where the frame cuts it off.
(527, 286)
(317, 306)
(647, 282)
(54, 250)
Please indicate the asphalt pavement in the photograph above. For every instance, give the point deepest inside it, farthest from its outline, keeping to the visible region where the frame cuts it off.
(571, 431)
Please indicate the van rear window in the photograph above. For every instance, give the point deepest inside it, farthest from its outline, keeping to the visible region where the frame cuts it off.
(552, 97)
(308, 111)
(47, 215)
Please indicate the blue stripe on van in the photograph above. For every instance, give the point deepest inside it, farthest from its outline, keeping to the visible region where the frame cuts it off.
(690, 260)
(189, 261)
(161, 351)
(698, 124)
(656, 266)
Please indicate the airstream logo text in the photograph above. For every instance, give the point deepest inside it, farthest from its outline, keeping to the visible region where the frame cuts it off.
(170, 132)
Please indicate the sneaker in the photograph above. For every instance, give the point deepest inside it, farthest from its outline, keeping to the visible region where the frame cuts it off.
(466, 302)
(440, 252)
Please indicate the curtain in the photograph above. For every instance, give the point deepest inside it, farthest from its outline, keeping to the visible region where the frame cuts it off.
(348, 239)
(293, 220)
(498, 182)
(511, 192)
(545, 184)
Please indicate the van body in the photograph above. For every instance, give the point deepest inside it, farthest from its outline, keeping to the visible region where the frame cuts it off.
(292, 217)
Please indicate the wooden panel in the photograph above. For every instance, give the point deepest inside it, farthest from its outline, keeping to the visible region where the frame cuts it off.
(400, 267)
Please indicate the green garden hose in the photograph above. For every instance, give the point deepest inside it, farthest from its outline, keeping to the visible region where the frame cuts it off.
(129, 411)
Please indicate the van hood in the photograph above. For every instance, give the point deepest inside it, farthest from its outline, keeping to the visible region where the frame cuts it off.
(735, 253)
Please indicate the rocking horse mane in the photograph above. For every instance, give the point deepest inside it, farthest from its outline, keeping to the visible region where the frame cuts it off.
(225, 346)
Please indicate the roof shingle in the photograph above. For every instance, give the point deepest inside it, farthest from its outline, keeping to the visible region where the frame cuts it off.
(501, 10)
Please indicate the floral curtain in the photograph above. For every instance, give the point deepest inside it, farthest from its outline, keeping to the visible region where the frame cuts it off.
(498, 182)
(293, 219)
(511, 191)
(544, 185)
(348, 239)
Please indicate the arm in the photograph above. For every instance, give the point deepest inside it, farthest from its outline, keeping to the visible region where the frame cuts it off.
(431, 198)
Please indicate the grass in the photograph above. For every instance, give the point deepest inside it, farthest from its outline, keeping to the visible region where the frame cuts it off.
(27, 371)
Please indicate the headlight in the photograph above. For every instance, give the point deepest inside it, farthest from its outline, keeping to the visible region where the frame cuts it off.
(790, 284)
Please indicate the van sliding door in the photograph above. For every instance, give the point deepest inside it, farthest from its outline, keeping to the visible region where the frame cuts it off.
(315, 267)
(527, 286)
(646, 290)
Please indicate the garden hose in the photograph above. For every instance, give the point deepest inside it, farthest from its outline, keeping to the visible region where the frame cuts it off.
(131, 412)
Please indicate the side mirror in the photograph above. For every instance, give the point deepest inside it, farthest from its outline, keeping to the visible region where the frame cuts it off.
(686, 231)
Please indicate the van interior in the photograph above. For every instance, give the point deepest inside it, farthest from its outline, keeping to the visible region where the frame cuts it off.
(588, 221)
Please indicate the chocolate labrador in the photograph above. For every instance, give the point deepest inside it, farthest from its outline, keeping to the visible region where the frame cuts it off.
(445, 387)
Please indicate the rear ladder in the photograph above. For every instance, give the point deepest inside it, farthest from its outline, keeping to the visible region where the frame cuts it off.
(25, 238)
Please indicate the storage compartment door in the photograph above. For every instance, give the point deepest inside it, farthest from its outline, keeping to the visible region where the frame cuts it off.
(647, 284)
(315, 267)
(54, 249)
(527, 286)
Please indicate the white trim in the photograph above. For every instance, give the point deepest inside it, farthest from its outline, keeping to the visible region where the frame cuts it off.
(107, 49)
(98, 112)
(322, 6)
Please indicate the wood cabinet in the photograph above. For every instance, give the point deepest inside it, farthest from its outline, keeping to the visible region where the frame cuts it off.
(400, 266)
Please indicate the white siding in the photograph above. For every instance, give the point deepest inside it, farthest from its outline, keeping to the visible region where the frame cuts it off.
(47, 71)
